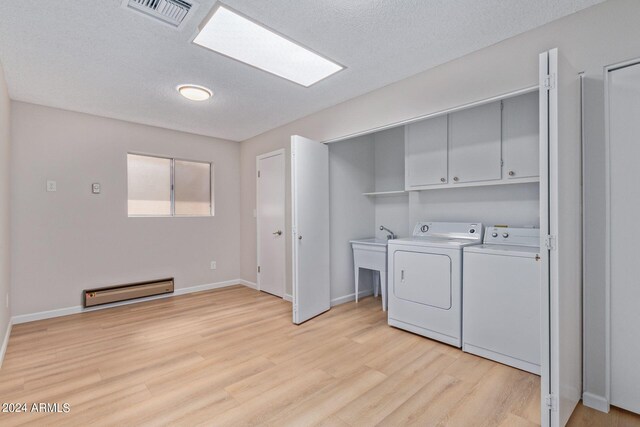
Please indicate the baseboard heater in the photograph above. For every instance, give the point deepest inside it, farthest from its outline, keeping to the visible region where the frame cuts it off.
(109, 294)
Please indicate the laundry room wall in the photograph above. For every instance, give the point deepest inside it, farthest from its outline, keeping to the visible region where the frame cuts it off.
(594, 235)
(391, 211)
(516, 205)
(79, 240)
(352, 215)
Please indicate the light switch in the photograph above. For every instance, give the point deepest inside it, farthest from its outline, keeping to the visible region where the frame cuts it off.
(95, 188)
(51, 185)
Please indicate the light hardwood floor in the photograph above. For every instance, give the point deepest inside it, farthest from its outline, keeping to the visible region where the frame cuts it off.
(232, 357)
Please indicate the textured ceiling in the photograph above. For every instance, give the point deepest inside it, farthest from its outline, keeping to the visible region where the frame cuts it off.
(96, 57)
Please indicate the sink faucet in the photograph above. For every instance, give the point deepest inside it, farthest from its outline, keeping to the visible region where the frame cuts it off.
(391, 234)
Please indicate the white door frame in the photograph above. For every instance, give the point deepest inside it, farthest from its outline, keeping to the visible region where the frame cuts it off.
(545, 273)
(280, 152)
(607, 243)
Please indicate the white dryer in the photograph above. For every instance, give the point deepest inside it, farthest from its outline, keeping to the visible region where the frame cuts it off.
(501, 298)
(425, 279)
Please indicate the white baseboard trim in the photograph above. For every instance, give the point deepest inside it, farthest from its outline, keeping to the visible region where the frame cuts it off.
(49, 314)
(339, 300)
(351, 297)
(199, 288)
(594, 401)
(5, 341)
(23, 318)
(247, 283)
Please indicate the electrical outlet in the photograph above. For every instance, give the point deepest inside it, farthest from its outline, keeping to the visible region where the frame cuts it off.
(213, 265)
(95, 188)
(51, 186)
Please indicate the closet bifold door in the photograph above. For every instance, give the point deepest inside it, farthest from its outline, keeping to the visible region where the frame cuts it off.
(561, 239)
(310, 228)
(623, 202)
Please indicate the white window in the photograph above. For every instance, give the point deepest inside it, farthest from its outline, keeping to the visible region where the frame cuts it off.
(161, 186)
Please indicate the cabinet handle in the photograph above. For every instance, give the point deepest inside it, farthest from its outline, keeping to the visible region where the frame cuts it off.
(511, 173)
(456, 179)
(402, 276)
(442, 180)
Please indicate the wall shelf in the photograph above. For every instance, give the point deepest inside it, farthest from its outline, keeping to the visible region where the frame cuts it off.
(385, 193)
(476, 184)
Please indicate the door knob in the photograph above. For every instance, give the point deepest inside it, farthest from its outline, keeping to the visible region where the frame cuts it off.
(456, 179)
(511, 173)
(299, 237)
(278, 233)
(442, 180)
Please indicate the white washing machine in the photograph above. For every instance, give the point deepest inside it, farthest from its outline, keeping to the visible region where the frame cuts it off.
(501, 298)
(425, 279)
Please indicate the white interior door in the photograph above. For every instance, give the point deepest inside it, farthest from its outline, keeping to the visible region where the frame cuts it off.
(560, 223)
(310, 221)
(624, 203)
(270, 222)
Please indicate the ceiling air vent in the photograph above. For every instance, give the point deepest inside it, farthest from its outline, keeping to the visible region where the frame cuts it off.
(172, 12)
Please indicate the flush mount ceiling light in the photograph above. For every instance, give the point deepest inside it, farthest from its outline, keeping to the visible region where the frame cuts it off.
(240, 38)
(195, 92)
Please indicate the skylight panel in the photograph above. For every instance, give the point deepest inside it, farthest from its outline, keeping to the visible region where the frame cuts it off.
(240, 38)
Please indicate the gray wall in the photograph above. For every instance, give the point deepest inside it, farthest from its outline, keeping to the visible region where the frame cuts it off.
(603, 34)
(594, 224)
(517, 205)
(391, 211)
(70, 240)
(5, 210)
(352, 215)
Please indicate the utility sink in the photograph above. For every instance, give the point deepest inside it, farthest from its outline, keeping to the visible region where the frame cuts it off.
(371, 254)
(373, 241)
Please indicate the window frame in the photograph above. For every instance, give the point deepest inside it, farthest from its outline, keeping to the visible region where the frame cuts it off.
(172, 184)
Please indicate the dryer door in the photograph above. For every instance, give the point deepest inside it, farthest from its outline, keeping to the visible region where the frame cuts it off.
(423, 278)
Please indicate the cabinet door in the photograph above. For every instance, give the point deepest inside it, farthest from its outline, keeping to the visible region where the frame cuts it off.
(426, 153)
(475, 144)
(520, 136)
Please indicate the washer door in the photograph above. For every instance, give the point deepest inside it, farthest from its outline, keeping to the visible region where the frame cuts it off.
(423, 278)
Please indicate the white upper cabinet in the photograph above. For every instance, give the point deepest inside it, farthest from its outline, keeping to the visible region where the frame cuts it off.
(520, 137)
(426, 153)
(475, 144)
(490, 144)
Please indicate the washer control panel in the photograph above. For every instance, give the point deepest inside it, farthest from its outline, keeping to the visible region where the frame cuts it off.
(513, 236)
(451, 230)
